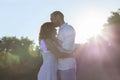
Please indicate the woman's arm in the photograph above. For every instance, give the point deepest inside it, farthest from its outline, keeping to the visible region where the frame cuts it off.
(53, 48)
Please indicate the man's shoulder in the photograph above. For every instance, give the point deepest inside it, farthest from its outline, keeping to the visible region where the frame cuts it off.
(68, 26)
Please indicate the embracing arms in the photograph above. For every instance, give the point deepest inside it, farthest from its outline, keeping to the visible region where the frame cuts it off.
(51, 45)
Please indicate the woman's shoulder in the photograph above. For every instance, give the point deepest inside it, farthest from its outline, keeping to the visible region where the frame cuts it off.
(43, 41)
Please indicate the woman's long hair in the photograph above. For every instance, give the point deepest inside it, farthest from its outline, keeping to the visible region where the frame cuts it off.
(46, 30)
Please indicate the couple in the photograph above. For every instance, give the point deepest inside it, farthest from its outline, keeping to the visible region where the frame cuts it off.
(57, 49)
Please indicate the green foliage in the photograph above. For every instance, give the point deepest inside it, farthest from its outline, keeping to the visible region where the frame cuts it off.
(114, 18)
(7, 60)
(19, 57)
(34, 51)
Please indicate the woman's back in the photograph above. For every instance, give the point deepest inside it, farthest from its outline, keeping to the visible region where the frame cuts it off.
(48, 70)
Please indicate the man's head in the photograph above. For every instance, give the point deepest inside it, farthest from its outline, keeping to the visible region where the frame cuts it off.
(57, 18)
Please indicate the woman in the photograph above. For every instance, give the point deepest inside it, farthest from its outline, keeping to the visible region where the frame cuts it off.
(48, 45)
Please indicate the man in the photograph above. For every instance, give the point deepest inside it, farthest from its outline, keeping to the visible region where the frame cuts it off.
(66, 34)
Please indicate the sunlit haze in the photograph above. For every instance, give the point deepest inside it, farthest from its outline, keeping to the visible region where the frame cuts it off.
(89, 25)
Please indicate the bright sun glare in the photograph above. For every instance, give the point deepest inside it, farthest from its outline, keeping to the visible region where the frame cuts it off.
(89, 25)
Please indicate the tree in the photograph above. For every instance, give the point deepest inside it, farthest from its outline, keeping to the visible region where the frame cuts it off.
(19, 57)
(114, 18)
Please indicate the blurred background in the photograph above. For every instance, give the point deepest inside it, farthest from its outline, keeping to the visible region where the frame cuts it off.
(97, 25)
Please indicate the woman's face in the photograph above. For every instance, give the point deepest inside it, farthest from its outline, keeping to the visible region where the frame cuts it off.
(54, 32)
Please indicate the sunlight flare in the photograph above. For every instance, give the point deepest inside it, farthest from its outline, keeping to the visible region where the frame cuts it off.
(89, 25)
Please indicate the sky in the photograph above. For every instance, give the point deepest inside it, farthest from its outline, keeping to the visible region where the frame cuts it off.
(23, 18)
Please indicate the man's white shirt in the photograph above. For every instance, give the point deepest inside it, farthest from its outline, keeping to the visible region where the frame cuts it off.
(66, 35)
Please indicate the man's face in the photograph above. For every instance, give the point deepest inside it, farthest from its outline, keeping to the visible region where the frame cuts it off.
(54, 19)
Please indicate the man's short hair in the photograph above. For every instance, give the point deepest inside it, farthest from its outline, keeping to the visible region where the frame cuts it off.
(55, 13)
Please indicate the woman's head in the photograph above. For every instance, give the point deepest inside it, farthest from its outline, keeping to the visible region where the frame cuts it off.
(47, 30)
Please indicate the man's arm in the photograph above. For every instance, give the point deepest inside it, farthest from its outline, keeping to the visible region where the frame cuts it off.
(55, 50)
